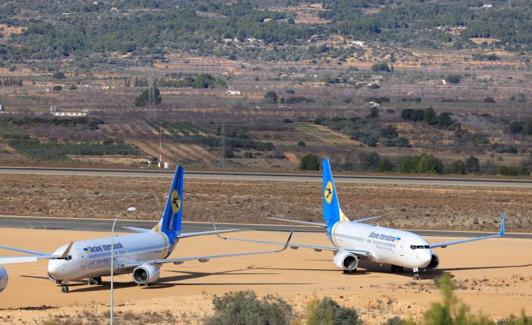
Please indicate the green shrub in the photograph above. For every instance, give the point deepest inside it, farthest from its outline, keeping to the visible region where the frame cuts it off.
(310, 162)
(243, 307)
(59, 75)
(386, 165)
(328, 312)
(429, 164)
(271, 97)
(424, 163)
(512, 171)
(381, 67)
(453, 78)
(396, 320)
(456, 167)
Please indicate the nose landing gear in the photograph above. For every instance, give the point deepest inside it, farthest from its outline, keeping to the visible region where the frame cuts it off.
(416, 274)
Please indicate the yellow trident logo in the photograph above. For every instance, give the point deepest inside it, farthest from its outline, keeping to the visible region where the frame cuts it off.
(328, 192)
(175, 202)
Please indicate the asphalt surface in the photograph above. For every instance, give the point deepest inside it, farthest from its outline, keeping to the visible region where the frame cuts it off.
(362, 179)
(83, 224)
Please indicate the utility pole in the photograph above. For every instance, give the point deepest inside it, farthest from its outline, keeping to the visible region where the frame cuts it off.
(222, 144)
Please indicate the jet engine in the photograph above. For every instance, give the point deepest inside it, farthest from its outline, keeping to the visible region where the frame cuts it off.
(346, 261)
(434, 262)
(3, 278)
(146, 273)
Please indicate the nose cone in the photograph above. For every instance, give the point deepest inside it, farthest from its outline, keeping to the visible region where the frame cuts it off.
(425, 257)
(56, 267)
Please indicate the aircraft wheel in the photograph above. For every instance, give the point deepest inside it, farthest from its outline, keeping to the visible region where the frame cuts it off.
(64, 288)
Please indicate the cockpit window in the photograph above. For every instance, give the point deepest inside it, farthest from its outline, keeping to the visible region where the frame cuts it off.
(419, 247)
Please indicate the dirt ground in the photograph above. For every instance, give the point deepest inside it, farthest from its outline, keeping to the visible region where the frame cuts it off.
(406, 206)
(493, 270)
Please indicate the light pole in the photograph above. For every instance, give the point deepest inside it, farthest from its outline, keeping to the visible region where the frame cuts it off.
(130, 209)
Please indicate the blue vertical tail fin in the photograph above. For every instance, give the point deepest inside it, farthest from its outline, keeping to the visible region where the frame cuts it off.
(173, 211)
(332, 213)
(502, 227)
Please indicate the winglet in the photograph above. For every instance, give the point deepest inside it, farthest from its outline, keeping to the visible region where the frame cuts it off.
(501, 228)
(66, 252)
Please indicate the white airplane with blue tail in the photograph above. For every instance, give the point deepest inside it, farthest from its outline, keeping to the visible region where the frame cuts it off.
(355, 240)
(141, 254)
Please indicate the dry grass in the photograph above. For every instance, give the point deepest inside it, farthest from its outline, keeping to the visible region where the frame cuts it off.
(407, 206)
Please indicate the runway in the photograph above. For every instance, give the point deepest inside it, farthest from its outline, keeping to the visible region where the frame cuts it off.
(85, 224)
(285, 177)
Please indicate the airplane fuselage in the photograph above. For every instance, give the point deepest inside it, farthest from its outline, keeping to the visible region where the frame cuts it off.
(385, 245)
(92, 258)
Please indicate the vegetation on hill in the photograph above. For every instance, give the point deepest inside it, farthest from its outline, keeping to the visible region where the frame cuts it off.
(212, 27)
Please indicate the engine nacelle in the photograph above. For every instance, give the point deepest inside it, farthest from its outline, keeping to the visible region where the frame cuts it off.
(146, 273)
(3, 278)
(434, 262)
(346, 261)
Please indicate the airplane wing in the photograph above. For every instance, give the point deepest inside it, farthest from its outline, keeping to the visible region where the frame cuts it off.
(467, 240)
(319, 224)
(21, 250)
(33, 257)
(202, 259)
(368, 218)
(317, 248)
(208, 232)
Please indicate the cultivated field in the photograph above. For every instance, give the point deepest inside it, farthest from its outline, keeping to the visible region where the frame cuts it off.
(494, 270)
(406, 206)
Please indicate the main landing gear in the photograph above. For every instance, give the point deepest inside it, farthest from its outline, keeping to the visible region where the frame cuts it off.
(397, 269)
(95, 281)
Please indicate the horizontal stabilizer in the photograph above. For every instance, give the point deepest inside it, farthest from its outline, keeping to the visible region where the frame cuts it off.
(136, 229)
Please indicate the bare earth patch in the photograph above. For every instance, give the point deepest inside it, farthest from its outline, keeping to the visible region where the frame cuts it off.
(406, 206)
(484, 272)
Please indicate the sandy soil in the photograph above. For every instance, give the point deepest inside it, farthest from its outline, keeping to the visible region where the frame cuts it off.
(425, 207)
(494, 270)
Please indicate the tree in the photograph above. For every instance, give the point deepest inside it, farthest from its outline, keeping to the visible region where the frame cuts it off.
(472, 165)
(373, 112)
(453, 78)
(59, 75)
(385, 166)
(148, 96)
(457, 167)
(408, 164)
(370, 161)
(516, 127)
(429, 164)
(271, 97)
(445, 120)
(310, 162)
(429, 116)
